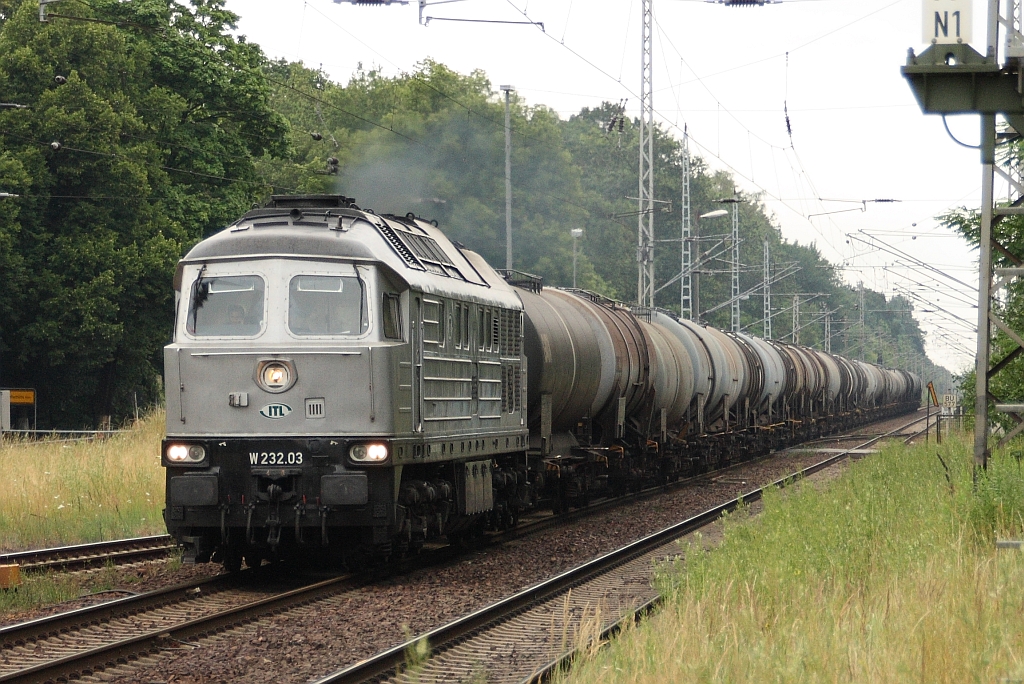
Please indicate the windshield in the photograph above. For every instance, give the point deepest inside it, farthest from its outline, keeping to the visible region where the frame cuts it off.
(326, 305)
(226, 306)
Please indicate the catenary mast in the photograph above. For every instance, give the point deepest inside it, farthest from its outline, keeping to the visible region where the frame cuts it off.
(686, 278)
(645, 198)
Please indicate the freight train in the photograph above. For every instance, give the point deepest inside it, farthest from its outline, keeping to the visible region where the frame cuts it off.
(355, 384)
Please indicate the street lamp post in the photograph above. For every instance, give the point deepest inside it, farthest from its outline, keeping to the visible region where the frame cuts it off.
(3, 195)
(735, 308)
(577, 233)
(696, 272)
(507, 89)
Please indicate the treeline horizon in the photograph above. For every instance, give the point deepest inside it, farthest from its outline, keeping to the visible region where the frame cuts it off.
(144, 136)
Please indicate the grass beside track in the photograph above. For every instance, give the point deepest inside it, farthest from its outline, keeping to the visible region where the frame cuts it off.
(887, 574)
(69, 492)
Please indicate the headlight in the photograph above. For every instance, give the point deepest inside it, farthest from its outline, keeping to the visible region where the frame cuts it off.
(368, 453)
(275, 375)
(185, 453)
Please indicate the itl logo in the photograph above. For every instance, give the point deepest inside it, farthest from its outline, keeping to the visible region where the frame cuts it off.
(275, 411)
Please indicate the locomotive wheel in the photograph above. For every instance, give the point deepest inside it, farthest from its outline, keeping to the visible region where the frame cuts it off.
(367, 557)
(253, 559)
(232, 559)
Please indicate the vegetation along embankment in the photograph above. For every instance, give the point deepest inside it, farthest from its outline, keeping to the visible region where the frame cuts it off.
(59, 492)
(887, 574)
(69, 492)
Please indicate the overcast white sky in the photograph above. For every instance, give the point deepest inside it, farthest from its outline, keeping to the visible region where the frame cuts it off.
(858, 133)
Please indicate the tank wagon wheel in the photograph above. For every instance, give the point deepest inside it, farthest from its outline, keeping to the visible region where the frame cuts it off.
(231, 559)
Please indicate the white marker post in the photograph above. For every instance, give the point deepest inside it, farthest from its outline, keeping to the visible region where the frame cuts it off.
(947, 21)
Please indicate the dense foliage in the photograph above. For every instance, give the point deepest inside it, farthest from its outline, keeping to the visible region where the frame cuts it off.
(169, 127)
(139, 137)
(1007, 231)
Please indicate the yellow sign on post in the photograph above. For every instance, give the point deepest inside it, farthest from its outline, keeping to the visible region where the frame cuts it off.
(22, 397)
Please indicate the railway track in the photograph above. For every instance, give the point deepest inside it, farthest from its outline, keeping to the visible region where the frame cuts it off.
(122, 551)
(528, 636)
(106, 635)
(84, 641)
(95, 554)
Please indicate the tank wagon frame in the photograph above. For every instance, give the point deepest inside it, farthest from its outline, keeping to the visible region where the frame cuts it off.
(353, 384)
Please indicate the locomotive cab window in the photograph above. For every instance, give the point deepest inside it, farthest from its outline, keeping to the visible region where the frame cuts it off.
(226, 306)
(326, 305)
(392, 317)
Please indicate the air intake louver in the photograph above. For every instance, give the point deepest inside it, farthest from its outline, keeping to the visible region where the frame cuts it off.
(420, 252)
(401, 249)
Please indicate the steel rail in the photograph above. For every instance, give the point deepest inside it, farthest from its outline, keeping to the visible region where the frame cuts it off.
(124, 650)
(40, 628)
(121, 651)
(393, 660)
(91, 554)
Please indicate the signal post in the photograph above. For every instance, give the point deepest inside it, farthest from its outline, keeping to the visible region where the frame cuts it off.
(951, 77)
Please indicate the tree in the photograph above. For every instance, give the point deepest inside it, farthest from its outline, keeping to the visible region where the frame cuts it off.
(140, 139)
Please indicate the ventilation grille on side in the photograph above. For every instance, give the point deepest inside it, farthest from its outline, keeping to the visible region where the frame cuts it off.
(315, 408)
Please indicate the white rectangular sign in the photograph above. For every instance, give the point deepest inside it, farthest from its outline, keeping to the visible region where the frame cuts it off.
(947, 21)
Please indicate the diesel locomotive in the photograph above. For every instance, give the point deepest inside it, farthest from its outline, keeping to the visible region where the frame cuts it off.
(355, 384)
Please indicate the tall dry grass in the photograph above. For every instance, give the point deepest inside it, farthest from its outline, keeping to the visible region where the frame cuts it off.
(59, 492)
(888, 574)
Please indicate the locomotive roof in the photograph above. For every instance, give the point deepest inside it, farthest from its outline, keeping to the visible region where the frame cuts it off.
(331, 227)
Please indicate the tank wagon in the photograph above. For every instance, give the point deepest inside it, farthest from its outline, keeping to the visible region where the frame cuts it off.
(355, 384)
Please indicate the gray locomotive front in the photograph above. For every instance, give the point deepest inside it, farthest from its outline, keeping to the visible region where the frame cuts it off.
(337, 380)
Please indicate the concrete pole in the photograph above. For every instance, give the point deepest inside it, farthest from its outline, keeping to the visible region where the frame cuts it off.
(577, 233)
(507, 89)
